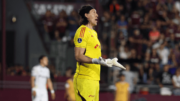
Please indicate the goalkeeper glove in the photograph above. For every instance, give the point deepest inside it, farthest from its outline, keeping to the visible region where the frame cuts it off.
(102, 61)
(115, 63)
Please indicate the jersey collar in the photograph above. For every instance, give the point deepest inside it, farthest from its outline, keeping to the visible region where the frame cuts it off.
(87, 27)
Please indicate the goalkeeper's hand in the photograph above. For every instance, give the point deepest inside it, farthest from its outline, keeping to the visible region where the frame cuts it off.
(102, 61)
(115, 63)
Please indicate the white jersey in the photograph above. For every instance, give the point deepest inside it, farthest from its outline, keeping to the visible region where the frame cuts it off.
(41, 75)
(176, 80)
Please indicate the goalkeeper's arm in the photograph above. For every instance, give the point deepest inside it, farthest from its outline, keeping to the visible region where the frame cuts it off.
(80, 57)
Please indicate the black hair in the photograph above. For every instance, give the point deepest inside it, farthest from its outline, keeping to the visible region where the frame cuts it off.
(82, 11)
(69, 68)
(72, 73)
(121, 75)
(41, 57)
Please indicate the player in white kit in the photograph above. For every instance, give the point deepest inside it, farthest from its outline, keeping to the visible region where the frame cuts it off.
(40, 78)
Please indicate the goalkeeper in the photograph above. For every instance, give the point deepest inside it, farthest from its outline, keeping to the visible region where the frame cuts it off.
(88, 56)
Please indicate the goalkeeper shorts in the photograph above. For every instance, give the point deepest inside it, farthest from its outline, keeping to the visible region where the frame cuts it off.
(86, 90)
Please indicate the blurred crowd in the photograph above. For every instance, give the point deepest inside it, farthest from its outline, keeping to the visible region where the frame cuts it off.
(17, 70)
(20, 70)
(61, 27)
(143, 33)
(146, 35)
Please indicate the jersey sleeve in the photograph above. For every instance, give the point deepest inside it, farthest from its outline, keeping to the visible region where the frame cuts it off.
(115, 88)
(128, 87)
(48, 74)
(81, 37)
(34, 72)
(67, 85)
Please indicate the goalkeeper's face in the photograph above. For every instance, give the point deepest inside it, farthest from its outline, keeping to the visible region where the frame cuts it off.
(92, 17)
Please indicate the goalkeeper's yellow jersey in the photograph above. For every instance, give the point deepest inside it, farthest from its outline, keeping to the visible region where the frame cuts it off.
(87, 38)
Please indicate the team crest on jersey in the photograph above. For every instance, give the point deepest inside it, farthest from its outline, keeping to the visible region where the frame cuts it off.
(79, 40)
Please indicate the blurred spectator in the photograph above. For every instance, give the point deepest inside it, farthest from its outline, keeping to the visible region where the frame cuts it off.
(114, 7)
(57, 35)
(105, 22)
(146, 26)
(172, 27)
(171, 59)
(69, 94)
(135, 20)
(122, 89)
(177, 35)
(169, 5)
(140, 9)
(130, 78)
(136, 42)
(152, 14)
(73, 23)
(150, 76)
(157, 71)
(61, 23)
(177, 5)
(147, 57)
(154, 34)
(154, 57)
(176, 82)
(164, 20)
(112, 40)
(121, 39)
(167, 34)
(133, 54)
(113, 53)
(176, 52)
(164, 78)
(113, 21)
(16, 70)
(20, 70)
(171, 42)
(146, 67)
(159, 42)
(48, 21)
(69, 72)
(105, 38)
(142, 76)
(53, 74)
(176, 19)
(163, 53)
(124, 52)
(122, 25)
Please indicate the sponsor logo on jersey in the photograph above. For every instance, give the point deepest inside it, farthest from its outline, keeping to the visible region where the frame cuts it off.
(82, 32)
(97, 46)
(91, 96)
(79, 40)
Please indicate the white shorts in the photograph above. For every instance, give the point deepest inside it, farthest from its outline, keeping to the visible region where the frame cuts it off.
(41, 95)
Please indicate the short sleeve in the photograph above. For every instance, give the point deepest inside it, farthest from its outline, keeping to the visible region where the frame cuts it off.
(66, 85)
(81, 37)
(128, 87)
(174, 78)
(34, 72)
(48, 73)
(115, 88)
